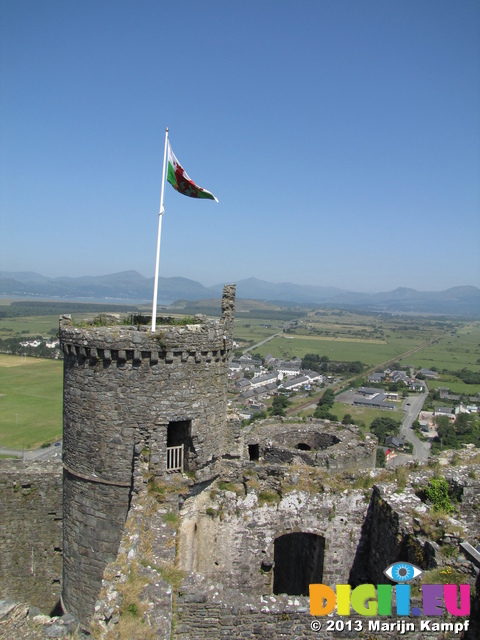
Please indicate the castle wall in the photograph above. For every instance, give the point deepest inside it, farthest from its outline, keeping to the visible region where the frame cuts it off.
(31, 533)
(94, 516)
(123, 385)
(230, 538)
(223, 616)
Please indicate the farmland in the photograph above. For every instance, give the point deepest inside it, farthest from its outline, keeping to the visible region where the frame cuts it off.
(30, 401)
(31, 388)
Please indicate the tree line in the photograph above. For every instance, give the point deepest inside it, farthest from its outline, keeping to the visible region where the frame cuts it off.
(323, 364)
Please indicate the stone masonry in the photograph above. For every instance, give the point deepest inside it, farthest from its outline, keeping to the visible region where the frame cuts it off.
(31, 532)
(127, 389)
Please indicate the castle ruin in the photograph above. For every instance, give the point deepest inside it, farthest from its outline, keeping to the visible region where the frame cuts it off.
(179, 524)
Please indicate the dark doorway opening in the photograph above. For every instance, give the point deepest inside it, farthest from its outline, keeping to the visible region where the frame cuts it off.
(303, 446)
(180, 433)
(253, 451)
(298, 562)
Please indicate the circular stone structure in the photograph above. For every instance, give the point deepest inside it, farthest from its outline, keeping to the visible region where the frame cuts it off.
(127, 389)
(317, 443)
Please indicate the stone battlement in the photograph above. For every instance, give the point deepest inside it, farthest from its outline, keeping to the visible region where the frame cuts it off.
(200, 342)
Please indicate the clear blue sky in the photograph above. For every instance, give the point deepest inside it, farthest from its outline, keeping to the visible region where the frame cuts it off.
(341, 137)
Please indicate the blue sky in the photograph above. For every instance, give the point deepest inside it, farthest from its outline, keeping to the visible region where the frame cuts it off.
(341, 137)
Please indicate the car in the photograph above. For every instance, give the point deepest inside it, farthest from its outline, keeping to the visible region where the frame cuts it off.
(57, 444)
(408, 404)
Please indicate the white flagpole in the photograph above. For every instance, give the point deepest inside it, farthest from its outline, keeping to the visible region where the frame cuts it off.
(160, 214)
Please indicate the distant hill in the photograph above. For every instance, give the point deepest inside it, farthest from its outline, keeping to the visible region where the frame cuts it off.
(127, 285)
(255, 289)
(131, 286)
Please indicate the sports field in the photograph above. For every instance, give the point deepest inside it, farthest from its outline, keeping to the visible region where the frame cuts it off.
(30, 401)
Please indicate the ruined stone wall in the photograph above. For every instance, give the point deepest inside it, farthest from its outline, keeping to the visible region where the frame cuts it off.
(213, 614)
(319, 443)
(226, 596)
(31, 533)
(230, 537)
(123, 385)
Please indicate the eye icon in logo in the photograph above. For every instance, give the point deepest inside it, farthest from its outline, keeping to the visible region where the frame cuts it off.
(402, 572)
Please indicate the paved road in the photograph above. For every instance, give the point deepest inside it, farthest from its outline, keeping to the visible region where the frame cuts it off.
(412, 407)
(259, 344)
(37, 454)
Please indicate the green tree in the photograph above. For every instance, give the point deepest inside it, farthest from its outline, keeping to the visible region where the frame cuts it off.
(327, 399)
(464, 424)
(260, 415)
(279, 404)
(347, 419)
(380, 458)
(446, 433)
(356, 367)
(324, 413)
(384, 426)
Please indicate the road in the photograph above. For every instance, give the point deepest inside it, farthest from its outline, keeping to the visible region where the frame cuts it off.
(259, 344)
(412, 407)
(47, 453)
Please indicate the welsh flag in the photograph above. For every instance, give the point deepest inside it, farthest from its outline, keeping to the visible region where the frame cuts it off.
(180, 181)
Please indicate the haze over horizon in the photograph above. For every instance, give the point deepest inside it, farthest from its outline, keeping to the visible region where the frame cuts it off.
(220, 283)
(341, 140)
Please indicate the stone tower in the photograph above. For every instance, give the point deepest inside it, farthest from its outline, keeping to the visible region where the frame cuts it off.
(125, 389)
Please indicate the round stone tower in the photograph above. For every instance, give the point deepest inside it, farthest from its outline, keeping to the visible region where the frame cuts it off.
(126, 388)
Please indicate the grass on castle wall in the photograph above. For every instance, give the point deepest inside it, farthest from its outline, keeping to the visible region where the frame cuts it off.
(30, 401)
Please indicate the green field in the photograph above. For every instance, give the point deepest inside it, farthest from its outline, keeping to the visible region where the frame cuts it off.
(368, 351)
(453, 351)
(28, 326)
(455, 385)
(30, 401)
(255, 330)
(374, 340)
(359, 414)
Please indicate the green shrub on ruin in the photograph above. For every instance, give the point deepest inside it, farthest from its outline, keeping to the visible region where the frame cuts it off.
(437, 493)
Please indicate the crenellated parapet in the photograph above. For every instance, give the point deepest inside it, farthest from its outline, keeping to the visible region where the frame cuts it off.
(202, 341)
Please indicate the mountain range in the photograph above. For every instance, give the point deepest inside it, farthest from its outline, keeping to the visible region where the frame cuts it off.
(131, 286)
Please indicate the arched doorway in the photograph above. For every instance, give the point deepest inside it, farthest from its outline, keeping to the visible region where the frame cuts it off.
(298, 562)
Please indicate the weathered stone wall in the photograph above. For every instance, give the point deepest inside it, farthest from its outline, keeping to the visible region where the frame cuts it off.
(94, 515)
(216, 614)
(123, 385)
(230, 537)
(226, 543)
(31, 533)
(136, 579)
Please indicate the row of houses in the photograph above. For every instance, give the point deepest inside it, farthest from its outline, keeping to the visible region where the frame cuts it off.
(269, 378)
(398, 377)
(50, 344)
(444, 393)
